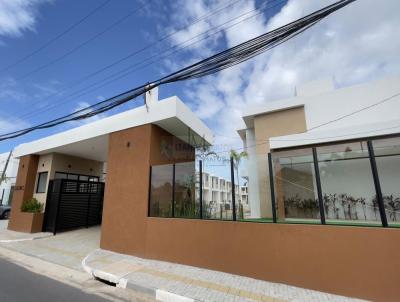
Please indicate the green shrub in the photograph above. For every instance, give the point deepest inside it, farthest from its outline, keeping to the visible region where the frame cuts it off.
(32, 206)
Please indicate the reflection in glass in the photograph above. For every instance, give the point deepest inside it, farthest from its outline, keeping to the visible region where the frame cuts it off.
(217, 194)
(347, 184)
(295, 187)
(161, 191)
(387, 156)
(186, 204)
(42, 182)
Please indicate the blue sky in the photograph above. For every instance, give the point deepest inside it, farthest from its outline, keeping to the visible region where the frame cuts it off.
(327, 50)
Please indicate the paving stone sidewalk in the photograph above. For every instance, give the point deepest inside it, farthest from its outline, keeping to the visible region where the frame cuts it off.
(7, 236)
(164, 279)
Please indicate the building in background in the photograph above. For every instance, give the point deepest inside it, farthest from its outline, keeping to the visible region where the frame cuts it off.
(217, 196)
(7, 185)
(325, 141)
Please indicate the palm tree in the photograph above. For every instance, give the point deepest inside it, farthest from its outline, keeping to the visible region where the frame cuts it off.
(204, 152)
(237, 158)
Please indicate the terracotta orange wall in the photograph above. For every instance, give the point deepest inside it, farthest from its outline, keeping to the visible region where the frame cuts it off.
(352, 261)
(130, 154)
(24, 189)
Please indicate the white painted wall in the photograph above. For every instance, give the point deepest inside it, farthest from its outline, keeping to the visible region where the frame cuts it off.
(11, 174)
(325, 107)
(254, 197)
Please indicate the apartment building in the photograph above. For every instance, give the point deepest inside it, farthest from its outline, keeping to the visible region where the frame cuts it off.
(217, 195)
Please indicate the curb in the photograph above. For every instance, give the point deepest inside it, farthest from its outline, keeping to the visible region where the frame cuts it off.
(23, 239)
(121, 282)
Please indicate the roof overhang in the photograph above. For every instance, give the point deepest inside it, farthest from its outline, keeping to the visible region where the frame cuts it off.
(91, 140)
(274, 106)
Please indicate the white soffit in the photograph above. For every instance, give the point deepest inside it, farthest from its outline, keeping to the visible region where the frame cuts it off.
(331, 135)
(91, 140)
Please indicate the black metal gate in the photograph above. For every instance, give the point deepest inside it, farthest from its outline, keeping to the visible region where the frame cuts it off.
(72, 204)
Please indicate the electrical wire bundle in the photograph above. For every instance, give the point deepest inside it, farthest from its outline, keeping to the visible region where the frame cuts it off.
(213, 64)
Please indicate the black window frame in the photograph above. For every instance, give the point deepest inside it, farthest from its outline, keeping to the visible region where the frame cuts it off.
(38, 181)
(91, 178)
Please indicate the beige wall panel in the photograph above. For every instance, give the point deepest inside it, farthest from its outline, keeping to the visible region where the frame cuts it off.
(269, 125)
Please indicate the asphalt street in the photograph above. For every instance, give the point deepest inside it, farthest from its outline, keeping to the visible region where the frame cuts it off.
(19, 284)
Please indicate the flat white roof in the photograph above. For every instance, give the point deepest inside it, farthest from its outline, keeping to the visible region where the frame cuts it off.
(273, 106)
(363, 110)
(91, 140)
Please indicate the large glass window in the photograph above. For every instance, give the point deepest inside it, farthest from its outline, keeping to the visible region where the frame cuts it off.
(186, 204)
(347, 184)
(217, 189)
(161, 191)
(387, 156)
(295, 186)
(42, 182)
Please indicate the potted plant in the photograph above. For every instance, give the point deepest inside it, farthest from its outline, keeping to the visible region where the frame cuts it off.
(32, 216)
(32, 206)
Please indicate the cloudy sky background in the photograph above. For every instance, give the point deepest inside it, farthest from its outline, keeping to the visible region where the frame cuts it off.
(360, 43)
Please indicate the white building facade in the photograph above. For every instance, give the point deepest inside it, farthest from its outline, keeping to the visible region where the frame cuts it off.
(7, 185)
(324, 142)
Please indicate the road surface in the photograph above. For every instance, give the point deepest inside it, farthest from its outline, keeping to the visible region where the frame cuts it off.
(19, 284)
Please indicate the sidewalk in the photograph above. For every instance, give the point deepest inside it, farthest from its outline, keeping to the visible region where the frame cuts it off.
(7, 236)
(66, 249)
(174, 282)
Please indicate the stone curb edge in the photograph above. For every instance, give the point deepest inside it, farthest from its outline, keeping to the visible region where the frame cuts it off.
(24, 239)
(156, 293)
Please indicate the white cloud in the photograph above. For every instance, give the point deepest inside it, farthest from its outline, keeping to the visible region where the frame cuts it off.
(18, 16)
(10, 124)
(356, 44)
(83, 105)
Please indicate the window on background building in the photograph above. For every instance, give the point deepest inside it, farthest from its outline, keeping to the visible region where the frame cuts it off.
(161, 191)
(59, 175)
(93, 178)
(186, 204)
(42, 182)
(387, 156)
(295, 186)
(83, 178)
(73, 176)
(217, 198)
(347, 184)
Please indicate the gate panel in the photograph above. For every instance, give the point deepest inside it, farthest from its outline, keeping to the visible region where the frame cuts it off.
(73, 204)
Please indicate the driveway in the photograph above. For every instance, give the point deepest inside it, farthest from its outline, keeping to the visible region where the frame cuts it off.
(67, 248)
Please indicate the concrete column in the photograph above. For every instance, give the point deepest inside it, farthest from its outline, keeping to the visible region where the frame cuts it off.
(24, 189)
(131, 152)
(254, 196)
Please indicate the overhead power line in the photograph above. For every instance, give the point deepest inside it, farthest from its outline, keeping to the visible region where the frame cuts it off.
(356, 111)
(380, 102)
(57, 37)
(220, 61)
(133, 68)
(132, 54)
(84, 43)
